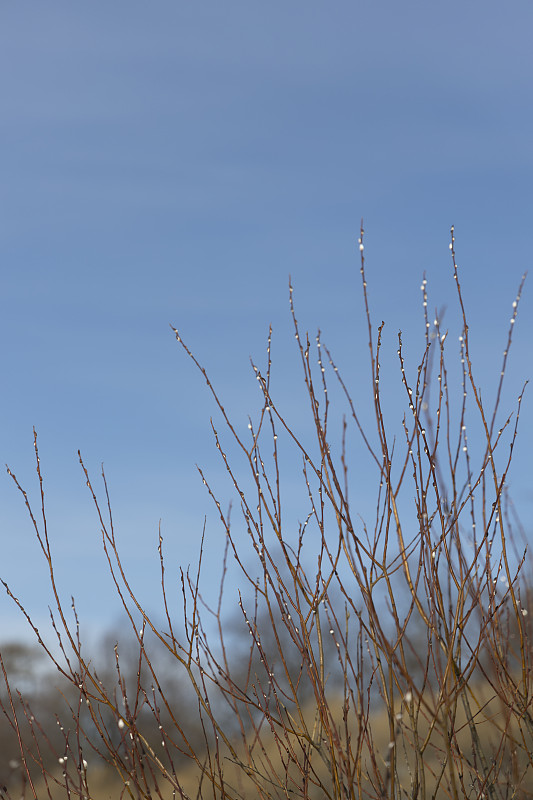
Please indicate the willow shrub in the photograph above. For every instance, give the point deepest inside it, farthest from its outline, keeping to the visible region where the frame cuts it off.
(376, 657)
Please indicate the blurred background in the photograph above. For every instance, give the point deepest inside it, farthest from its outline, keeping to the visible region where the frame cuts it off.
(173, 163)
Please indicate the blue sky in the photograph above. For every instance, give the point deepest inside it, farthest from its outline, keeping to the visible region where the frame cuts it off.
(173, 162)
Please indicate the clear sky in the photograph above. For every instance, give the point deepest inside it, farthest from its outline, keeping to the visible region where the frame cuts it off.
(173, 162)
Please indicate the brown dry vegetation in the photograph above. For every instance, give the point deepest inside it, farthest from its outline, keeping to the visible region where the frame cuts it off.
(385, 657)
